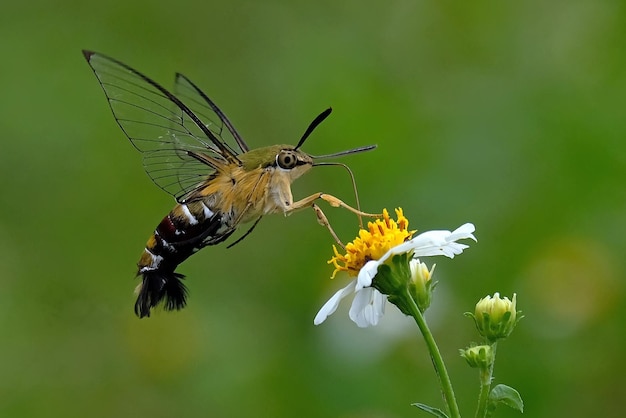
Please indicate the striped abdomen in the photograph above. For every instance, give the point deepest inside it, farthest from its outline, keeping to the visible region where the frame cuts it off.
(187, 228)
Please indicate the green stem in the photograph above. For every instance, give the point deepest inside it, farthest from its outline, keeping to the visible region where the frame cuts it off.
(486, 375)
(435, 355)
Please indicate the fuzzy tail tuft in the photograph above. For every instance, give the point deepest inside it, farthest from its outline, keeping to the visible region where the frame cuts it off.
(160, 285)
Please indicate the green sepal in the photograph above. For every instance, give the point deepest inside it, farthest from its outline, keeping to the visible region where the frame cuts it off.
(433, 411)
(506, 395)
(392, 279)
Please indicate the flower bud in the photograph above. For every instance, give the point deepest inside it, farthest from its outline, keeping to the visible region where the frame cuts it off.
(495, 317)
(478, 356)
(421, 286)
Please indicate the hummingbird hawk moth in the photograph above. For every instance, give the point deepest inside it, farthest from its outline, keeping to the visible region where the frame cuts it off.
(192, 151)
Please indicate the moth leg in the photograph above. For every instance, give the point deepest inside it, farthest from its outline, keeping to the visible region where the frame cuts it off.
(246, 234)
(321, 217)
(332, 200)
(322, 220)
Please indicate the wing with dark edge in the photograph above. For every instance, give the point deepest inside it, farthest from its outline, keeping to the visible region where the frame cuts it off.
(164, 128)
(207, 110)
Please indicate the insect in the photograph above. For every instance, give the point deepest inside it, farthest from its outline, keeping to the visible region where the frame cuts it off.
(193, 152)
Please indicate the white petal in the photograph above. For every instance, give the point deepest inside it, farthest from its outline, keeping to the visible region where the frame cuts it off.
(331, 306)
(367, 273)
(464, 231)
(368, 307)
(426, 244)
(435, 243)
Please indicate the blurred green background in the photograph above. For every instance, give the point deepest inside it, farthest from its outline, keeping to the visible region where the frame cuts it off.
(510, 115)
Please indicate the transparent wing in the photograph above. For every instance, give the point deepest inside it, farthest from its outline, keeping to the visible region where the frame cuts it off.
(206, 110)
(161, 126)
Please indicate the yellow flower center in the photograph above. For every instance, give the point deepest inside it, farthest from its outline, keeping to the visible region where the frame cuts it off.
(372, 243)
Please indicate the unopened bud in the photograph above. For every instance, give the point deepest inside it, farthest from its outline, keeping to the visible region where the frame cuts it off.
(495, 317)
(421, 286)
(478, 356)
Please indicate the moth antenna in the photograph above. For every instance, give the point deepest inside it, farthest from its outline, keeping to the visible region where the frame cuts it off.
(346, 152)
(319, 119)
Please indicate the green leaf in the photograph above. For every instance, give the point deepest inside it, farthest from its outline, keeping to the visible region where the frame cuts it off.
(433, 411)
(506, 395)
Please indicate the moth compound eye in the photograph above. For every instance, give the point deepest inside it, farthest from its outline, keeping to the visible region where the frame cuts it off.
(286, 160)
